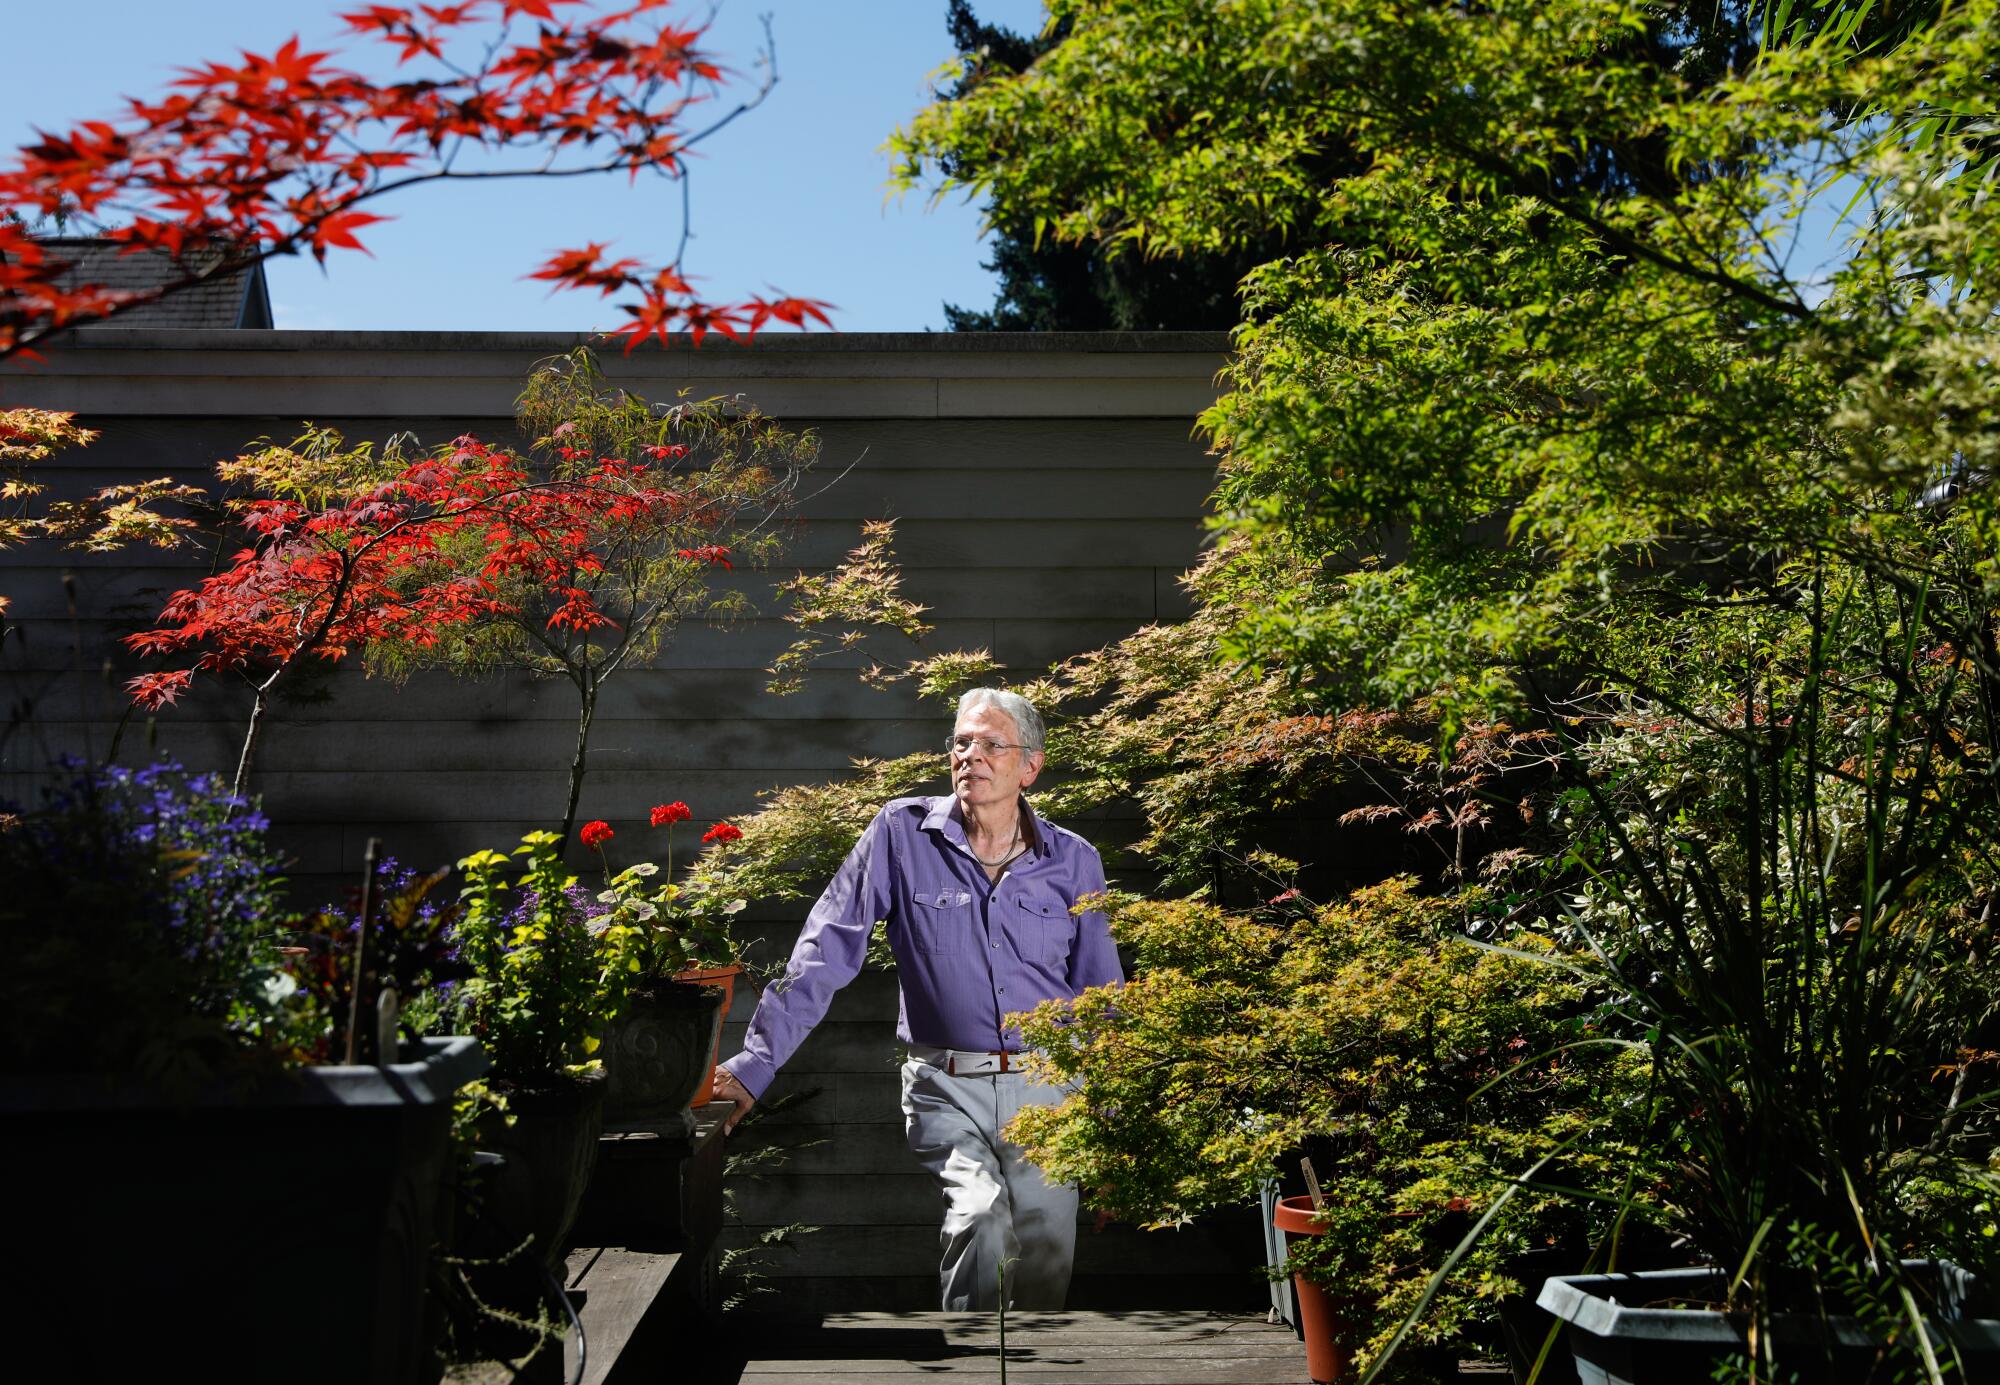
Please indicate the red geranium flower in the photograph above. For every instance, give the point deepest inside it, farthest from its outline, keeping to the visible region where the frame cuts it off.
(722, 832)
(595, 834)
(666, 814)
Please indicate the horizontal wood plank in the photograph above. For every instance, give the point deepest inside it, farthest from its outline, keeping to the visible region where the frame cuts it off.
(1166, 1348)
(620, 1287)
(1162, 1325)
(132, 448)
(1050, 539)
(136, 591)
(912, 1249)
(743, 744)
(111, 371)
(1083, 1368)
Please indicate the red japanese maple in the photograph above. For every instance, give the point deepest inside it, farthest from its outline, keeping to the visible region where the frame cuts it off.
(284, 152)
(354, 557)
(333, 566)
(468, 558)
(597, 571)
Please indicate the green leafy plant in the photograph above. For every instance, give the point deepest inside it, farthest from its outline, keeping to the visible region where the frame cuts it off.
(740, 1269)
(1558, 417)
(1422, 1069)
(652, 932)
(1798, 916)
(153, 938)
(143, 917)
(386, 950)
(541, 984)
(864, 590)
(793, 844)
(102, 522)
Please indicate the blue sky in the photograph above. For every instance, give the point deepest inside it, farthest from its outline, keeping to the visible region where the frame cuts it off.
(790, 196)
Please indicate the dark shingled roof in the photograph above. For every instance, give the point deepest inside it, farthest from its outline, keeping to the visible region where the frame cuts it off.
(239, 299)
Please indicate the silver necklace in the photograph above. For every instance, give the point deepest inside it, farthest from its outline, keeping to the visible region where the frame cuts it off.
(1005, 856)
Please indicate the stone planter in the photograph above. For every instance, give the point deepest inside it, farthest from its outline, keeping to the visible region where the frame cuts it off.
(280, 1228)
(549, 1150)
(1624, 1330)
(660, 1053)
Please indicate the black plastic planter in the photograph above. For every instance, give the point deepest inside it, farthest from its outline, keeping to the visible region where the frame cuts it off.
(280, 1231)
(1623, 1330)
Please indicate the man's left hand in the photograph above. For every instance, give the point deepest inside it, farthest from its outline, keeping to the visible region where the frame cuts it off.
(727, 1088)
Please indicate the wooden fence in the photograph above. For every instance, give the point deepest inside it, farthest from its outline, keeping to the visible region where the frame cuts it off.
(1048, 491)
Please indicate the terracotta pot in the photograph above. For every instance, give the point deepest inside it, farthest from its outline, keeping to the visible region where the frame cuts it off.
(1326, 1319)
(660, 1052)
(725, 977)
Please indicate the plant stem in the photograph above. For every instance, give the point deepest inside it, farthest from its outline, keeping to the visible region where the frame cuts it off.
(368, 855)
(1000, 1272)
(586, 682)
(260, 700)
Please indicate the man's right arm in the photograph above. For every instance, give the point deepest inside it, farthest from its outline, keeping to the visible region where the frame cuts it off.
(829, 953)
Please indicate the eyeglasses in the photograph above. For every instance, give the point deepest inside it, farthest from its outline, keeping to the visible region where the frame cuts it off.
(962, 745)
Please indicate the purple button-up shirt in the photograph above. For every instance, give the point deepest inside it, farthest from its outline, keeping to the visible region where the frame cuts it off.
(968, 951)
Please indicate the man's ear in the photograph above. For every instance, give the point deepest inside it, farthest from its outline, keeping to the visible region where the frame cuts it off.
(1035, 759)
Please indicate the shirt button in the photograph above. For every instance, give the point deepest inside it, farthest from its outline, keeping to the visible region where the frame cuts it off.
(996, 945)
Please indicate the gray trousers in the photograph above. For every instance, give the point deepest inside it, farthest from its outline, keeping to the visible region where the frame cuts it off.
(998, 1209)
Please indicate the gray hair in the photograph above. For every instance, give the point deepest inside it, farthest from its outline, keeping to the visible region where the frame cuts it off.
(1027, 721)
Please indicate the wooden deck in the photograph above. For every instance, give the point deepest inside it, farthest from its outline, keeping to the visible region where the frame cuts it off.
(1146, 1348)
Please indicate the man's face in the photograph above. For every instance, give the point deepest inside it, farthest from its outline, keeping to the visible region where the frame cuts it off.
(980, 779)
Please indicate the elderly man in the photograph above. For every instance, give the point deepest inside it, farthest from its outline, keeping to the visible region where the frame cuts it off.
(977, 891)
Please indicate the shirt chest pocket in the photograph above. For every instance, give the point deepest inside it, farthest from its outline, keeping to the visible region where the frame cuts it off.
(1044, 927)
(941, 920)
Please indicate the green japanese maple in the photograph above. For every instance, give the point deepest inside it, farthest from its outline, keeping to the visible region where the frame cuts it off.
(1558, 415)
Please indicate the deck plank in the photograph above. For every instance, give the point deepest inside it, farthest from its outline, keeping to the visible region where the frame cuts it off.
(1067, 1350)
(1285, 1366)
(1149, 1322)
(1156, 1373)
(1144, 1348)
(620, 1289)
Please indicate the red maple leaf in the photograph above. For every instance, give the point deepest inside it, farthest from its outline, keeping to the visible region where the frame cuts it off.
(338, 230)
(275, 154)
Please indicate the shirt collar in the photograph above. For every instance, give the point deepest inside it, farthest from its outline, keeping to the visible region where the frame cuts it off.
(946, 817)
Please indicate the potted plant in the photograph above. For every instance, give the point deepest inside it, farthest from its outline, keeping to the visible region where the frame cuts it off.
(1793, 900)
(541, 988)
(1370, 1035)
(166, 1078)
(671, 942)
(1326, 1320)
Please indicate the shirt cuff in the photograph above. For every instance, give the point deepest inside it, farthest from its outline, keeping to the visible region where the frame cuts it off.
(753, 1072)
